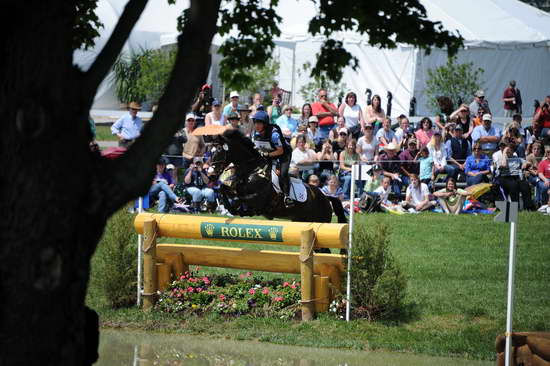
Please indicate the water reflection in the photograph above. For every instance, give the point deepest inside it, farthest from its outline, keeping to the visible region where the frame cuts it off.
(147, 349)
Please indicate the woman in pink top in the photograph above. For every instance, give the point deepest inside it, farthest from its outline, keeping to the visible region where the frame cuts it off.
(425, 133)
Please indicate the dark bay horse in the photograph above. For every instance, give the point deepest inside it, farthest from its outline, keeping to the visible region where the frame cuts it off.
(247, 190)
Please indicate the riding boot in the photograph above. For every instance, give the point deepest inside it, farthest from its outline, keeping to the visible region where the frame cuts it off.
(211, 207)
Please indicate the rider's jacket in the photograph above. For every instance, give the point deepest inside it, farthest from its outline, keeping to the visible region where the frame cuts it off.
(270, 140)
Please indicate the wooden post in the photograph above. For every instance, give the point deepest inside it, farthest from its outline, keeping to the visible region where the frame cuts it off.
(334, 275)
(306, 273)
(179, 267)
(321, 294)
(149, 263)
(164, 272)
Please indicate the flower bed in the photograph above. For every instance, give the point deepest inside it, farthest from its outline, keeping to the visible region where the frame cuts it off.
(231, 295)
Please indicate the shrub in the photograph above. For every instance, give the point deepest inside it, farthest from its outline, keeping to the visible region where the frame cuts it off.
(378, 285)
(116, 262)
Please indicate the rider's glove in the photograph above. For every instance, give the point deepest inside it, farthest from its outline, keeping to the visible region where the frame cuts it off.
(264, 154)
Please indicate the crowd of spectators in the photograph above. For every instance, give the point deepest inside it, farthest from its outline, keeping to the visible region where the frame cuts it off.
(417, 167)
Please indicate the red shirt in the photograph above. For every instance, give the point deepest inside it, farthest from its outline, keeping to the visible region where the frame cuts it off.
(509, 93)
(544, 168)
(544, 117)
(317, 108)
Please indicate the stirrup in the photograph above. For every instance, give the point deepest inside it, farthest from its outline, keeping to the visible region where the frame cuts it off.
(289, 202)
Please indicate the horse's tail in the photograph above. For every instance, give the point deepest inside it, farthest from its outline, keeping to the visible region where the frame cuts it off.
(338, 209)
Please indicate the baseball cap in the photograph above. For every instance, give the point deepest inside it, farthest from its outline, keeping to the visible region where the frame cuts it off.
(343, 130)
(216, 102)
(313, 119)
(458, 127)
(205, 86)
(190, 116)
(261, 116)
(487, 117)
(233, 94)
(479, 93)
(233, 115)
(170, 166)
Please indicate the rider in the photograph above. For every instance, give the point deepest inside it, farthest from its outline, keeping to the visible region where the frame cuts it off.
(272, 145)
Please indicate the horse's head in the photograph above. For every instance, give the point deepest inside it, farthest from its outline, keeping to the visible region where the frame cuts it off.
(240, 149)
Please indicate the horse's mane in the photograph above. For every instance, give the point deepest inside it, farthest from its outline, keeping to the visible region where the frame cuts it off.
(240, 146)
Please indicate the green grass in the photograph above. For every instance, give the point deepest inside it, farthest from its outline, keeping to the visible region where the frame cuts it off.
(456, 298)
(103, 133)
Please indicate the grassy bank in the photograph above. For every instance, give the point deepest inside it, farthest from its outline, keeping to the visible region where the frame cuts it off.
(103, 133)
(456, 301)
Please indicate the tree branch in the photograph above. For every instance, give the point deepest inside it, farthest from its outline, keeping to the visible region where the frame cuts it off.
(102, 64)
(133, 172)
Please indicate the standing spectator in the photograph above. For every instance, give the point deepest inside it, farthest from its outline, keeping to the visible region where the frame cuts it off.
(417, 196)
(477, 167)
(348, 157)
(403, 133)
(451, 198)
(274, 111)
(233, 105)
(303, 158)
(128, 127)
(325, 112)
(162, 188)
(542, 116)
(367, 146)
(257, 101)
(175, 149)
(487, 135)
(246, 124)
(479, 101)
(424, 133)
(195, 146)
(313, 132)
(215, 117)
(352, 114)
(385, 135)
(544, 176)
(202, 105)
(332, 188)
(446, 108)
(409, 165)
(510, 177)
(461, 117)
(425, 166)
(197, 185)
(512, 100)
(458, 149)
(306, 114)
(374, 114)
(287, 123)
(392, 166)
(275, 90)
(326, 158)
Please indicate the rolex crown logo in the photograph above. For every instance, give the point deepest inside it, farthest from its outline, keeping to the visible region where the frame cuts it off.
(209, 229)
(272, 233)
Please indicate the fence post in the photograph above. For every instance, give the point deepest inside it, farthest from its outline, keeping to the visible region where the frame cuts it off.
(306, 273)
(149, 263)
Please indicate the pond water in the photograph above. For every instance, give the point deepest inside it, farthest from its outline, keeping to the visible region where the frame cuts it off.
(144, 349)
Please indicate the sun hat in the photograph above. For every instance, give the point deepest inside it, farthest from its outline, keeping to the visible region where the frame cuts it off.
(233, 115)
(189, 116)
(487, 117)
(134, 105)
(479, 93)
(391, 146)
(233, 94)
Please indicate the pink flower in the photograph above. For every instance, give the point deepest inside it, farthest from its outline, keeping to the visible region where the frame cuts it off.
(278, 298)
(199, 289)
(206, 280)
(182, 278)
(248, 274)
(293, 286)
(251, 291)
(192, 280)
(222, 297)
(265, 291)
(190, 289)
(285, 284)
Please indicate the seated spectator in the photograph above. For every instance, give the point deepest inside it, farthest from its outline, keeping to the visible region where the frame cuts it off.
(417, 196)
(531, 173)
(326, 158)
(303, 158)
(216, 117)
(534, 132)
(487, 135)
(367, 146)
(392, 167)
(404, 133)
(542, 117)
(352, 114)
(451, 198)
(461, 117)
(348, 157)
(287, 123)
(439, 156)
(197, 181)
(374, 114)
(426, 166)
(458, 149)
(313, 132)
(313, 180)
(161, 189)
(374, 181)
(477, 167)
(510, 177)
(385, 135)
(340, 143)
(512, 133)
(174, 150)
(409, 165)
(544, 176)
(306, 114)
(333, 189)
(384, 192)
(195, 146)
(498, 154)
(425, 132)
(333, 133)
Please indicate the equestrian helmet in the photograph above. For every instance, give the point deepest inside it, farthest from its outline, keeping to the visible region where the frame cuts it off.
(261, 116)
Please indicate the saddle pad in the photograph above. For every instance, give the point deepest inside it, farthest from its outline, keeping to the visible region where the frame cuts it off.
(298, 191)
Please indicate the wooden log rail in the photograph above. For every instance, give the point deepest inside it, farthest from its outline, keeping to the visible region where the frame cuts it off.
(320, 273)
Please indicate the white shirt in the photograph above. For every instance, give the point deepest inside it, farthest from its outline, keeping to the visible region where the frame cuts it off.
(438, 156)
(367, 148)
(351, 115)
(417, 195)
(383, 194)
(299, 156)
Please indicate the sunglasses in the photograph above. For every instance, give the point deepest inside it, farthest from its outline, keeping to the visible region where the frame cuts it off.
(343, 134)
(477, 149)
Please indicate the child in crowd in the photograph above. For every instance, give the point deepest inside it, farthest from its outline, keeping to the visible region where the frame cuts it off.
(332, 188)
(426, 166)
